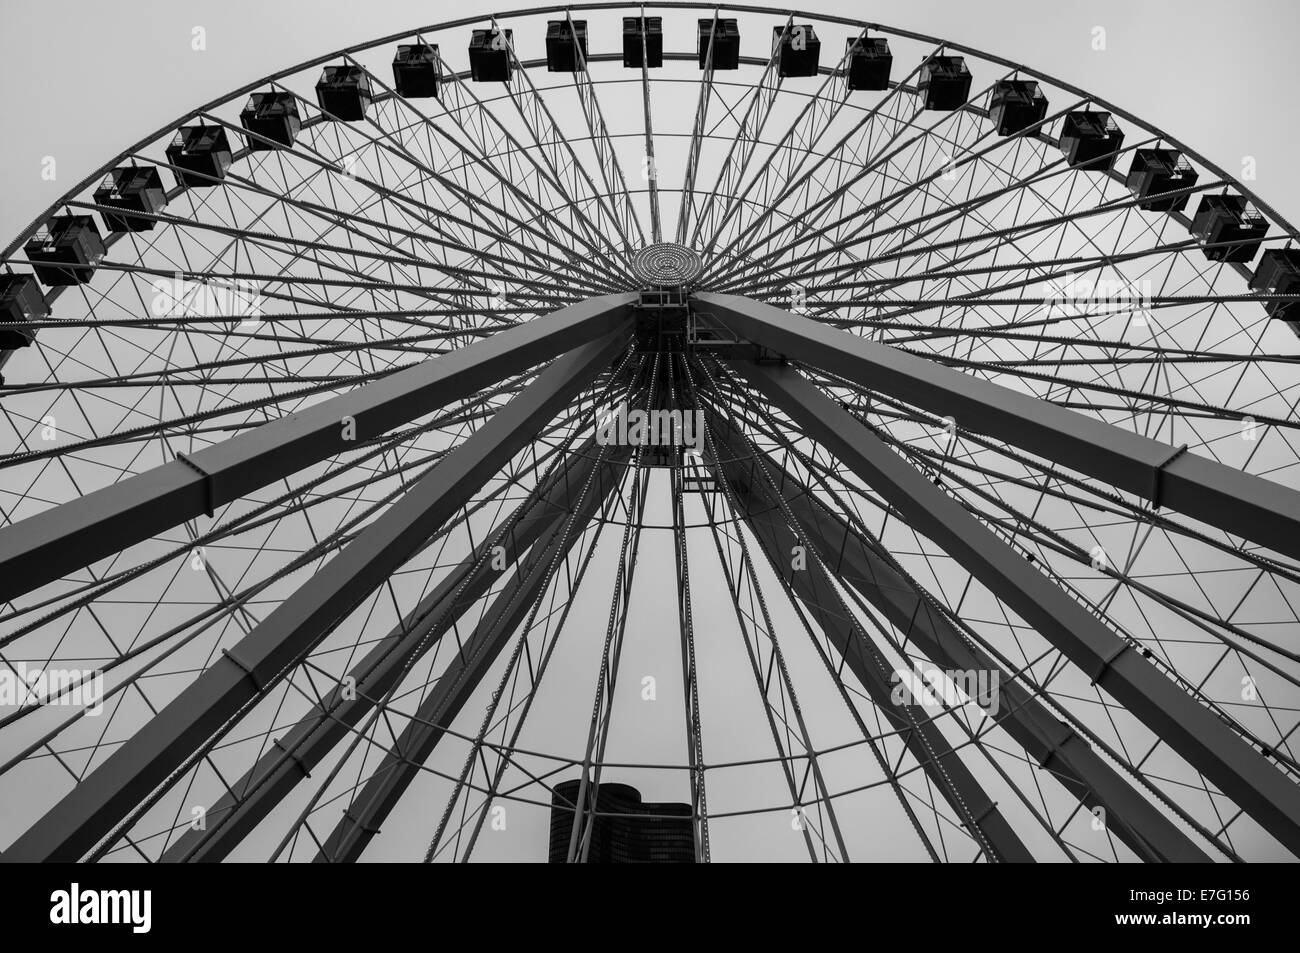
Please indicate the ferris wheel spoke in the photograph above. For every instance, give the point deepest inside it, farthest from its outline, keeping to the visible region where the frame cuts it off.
(515, 672)
(686, 205)
(331, 216)
(923, 739)
(751, 625)
(1088, 642)
(807, 341)
(744, 144)
(548, 164)
(516, 604)
(500, 355)
(747, 621)
(995, 830)
(380, 673)
(1147, 398)
(651, 171)
(586, 804)
(607, 163)
(685, 403)
(945, 640)
(955, 215)
(482, 151)
(978, 297)
(422, 214)
(609, 497)
(963, 160)
(798, 142)
(1021, 527)
(299, 624)
(172, 377)
(1173, 843)
(297, 500)
(755, 234)
(867, 216)
(875, 163)
(567, 170)
(459, 227)
(416, 212)
(1000, 237)
(235, 600)
(270, 240)
(1017, 523)
(1054, 482)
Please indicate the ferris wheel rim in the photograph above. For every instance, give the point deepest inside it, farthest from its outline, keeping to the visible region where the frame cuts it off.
(312, 62)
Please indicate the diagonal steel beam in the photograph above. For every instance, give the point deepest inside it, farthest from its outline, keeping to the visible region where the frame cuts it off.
(1241, 503)
(1114, 663)
(157, 753)
(300, 749)
(1052, 743)
(401, 764)
(41, 548)
(940, 761)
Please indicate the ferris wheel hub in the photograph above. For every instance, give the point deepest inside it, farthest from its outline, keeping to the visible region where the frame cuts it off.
(667, 265)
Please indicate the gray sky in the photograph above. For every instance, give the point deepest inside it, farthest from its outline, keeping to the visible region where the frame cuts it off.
(84, 79)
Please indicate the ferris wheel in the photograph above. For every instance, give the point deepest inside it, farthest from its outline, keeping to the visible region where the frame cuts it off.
(690, 431)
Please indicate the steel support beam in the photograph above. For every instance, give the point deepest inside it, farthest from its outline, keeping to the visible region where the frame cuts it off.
(288, 635)
(1260, 510)
(299, 750)
(402, 762)
(68, 537)
(940, 761)
(1113, 663)
(1052, 743)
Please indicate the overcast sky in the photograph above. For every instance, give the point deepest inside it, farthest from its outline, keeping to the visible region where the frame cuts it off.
(83, 80)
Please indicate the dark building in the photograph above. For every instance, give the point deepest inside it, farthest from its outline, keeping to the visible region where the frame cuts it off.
(626, 830)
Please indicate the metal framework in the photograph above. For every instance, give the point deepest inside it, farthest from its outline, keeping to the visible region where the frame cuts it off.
(929, 497)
